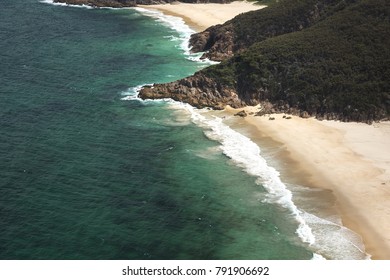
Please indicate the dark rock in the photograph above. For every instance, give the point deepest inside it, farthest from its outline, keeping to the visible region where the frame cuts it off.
(198, 90)
(260, 113)
(304, 115)
(241, 114)
(217, 41)
(223, 41)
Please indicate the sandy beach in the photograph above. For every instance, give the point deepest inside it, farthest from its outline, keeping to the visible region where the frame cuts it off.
(350, 159)
(202, 16)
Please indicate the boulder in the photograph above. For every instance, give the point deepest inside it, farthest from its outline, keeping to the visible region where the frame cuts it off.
(241, 114)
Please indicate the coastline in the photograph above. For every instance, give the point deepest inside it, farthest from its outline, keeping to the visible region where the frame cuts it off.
(330, 155)
(352, 160)
(201, 16)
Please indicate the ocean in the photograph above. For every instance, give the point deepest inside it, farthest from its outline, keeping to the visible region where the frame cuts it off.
(90, 171)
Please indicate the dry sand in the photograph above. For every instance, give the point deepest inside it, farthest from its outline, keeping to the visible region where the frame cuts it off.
(350, 159)
(202, 16)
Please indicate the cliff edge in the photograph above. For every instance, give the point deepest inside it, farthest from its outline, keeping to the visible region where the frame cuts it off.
(324, 58)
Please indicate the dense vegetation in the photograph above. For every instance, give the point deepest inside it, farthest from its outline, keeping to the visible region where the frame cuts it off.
(337, 67)
(325, 58)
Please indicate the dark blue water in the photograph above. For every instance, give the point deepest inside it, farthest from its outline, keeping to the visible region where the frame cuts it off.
(88, 175)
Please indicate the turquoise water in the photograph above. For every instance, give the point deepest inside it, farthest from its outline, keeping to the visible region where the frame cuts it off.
(88, 173)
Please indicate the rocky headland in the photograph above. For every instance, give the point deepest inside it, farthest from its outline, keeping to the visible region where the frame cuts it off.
(322, 58)
(198, 90)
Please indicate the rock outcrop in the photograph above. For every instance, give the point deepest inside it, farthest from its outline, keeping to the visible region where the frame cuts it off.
(223, 41)
(198, 90)
(216, 41)
(242, 114)
(315, 58)
(291, 59)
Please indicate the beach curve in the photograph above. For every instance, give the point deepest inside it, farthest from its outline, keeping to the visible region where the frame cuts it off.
(352, 160)
(202, 16)
(349, 159)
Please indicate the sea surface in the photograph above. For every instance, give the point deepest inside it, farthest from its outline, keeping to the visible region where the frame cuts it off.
(89, 171)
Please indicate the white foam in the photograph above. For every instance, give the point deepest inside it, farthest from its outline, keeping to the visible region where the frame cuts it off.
(327, 238)
(79, 6)
(246, 154)
(132, 92)
(172, 38)
(334, 240)
(177, 116)
(51, 2)
(317, 257)
(183, 30)
(174, 23)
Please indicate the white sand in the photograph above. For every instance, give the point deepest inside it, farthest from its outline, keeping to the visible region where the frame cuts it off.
(202, 16)
(351, 159)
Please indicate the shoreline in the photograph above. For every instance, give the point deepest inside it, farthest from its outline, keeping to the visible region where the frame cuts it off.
(202, 16)
(351, 160)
